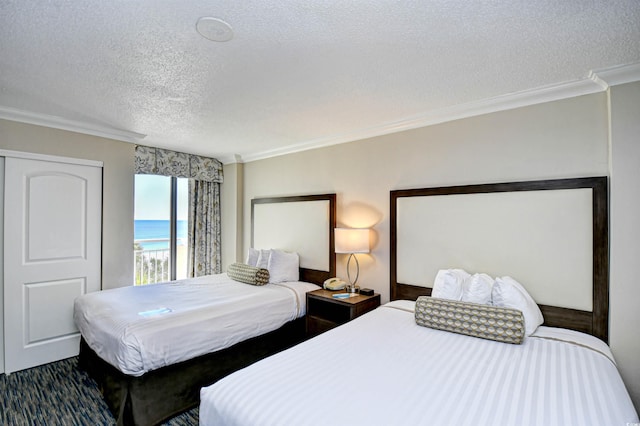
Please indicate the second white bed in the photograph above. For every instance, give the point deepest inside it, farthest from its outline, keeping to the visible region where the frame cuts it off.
(384, 369)
(139, 329)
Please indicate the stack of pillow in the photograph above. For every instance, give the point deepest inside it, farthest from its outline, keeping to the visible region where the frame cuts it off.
(266, 266)
(282, 266)
(466, 290)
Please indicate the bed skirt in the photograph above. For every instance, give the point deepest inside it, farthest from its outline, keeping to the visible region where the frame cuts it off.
(168, 391)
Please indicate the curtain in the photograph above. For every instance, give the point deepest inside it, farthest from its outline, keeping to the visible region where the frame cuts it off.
(157, 161)
(205, 177)
(204, 228)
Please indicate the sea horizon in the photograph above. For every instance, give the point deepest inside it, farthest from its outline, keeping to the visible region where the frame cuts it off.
(157, 229)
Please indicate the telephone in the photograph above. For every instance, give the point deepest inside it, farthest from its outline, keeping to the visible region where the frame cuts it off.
(334, 284)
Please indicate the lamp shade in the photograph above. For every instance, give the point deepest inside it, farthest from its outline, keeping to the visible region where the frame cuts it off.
(352, 240)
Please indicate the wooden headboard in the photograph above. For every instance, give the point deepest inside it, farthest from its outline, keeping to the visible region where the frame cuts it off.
(302, 224)
(550, 235)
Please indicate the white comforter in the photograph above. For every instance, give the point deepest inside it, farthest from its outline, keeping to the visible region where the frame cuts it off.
(383, 369)
(138, 329)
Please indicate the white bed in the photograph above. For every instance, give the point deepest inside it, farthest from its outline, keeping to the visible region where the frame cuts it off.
(384, 369)
(139, 329)
(152, 348)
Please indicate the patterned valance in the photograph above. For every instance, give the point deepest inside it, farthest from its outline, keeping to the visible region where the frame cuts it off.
(158, 161)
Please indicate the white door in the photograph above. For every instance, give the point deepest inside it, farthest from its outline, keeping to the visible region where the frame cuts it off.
(52, 230)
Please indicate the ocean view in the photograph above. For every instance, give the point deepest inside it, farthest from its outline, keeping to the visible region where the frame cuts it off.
(157, 230)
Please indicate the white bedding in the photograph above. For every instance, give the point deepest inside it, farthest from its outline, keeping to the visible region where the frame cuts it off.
(383, 369)
(138, 329)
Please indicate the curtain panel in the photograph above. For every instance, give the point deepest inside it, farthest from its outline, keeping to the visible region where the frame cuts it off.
(204, 229)
(158, 161)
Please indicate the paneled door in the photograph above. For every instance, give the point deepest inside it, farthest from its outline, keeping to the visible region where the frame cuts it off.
(52, 254)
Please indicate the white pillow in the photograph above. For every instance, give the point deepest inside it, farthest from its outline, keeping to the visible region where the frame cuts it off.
(448, 284)
(477, 289)
(283, 266)
(509, 293)
(263, 259)
(252, 257)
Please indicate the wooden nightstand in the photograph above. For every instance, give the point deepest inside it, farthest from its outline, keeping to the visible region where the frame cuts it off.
(325, 312)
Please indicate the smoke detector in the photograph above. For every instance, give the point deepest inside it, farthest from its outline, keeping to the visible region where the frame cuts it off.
(214, 29)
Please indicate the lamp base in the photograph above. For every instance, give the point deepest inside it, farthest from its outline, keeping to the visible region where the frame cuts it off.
(352, 288)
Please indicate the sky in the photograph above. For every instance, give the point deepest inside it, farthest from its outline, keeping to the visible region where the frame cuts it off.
(152, 198)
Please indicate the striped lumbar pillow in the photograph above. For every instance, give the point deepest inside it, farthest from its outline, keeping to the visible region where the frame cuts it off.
(473, 319)
(248, 274)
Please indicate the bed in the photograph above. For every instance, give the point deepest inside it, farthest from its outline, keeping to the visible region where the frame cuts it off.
(151, 348)
(386, 367)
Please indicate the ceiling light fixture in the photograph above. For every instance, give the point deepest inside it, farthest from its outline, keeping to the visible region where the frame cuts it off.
(214, 29)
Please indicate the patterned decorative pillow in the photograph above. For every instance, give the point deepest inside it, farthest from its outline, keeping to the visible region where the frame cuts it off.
(248, 274)
(484, 321)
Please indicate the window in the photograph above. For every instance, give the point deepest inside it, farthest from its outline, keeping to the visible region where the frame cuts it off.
(160, 228)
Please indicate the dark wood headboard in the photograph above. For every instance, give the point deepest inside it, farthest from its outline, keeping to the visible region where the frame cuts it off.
(315, 276)
(594, 322)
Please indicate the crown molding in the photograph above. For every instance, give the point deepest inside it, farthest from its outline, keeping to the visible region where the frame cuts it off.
(456, 112)
(596, 81)
(230, 159)
(55, 122)
(615, 76)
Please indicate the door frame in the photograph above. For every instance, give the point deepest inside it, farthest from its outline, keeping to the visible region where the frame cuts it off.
(50, 158)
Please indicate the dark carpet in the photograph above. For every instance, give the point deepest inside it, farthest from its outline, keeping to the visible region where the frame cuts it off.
(60, 394)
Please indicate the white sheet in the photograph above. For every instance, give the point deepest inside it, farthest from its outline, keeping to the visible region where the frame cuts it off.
(383, 369)
(138, 329)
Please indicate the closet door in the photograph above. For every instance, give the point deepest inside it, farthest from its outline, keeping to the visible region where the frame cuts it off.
(52, 244)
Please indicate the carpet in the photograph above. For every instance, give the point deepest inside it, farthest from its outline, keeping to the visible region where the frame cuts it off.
(60, 394)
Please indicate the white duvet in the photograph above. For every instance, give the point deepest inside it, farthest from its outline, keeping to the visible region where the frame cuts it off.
(384, 369)
(142, 328)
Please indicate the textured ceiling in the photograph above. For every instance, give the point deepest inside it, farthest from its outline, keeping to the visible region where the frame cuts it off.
(296, 73)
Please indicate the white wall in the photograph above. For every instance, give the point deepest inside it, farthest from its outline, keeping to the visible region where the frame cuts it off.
(231, 203)
(625, 234)
(562, 139)
(568, 138)
(117, 193)
(2, 265)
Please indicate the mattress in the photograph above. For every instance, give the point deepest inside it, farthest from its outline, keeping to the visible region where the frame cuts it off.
(142, 328)
(384, 369)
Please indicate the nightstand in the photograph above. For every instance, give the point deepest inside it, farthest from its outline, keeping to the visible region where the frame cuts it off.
(325, 312)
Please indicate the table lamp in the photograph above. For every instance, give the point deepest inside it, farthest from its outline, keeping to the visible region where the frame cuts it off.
(352, 241)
